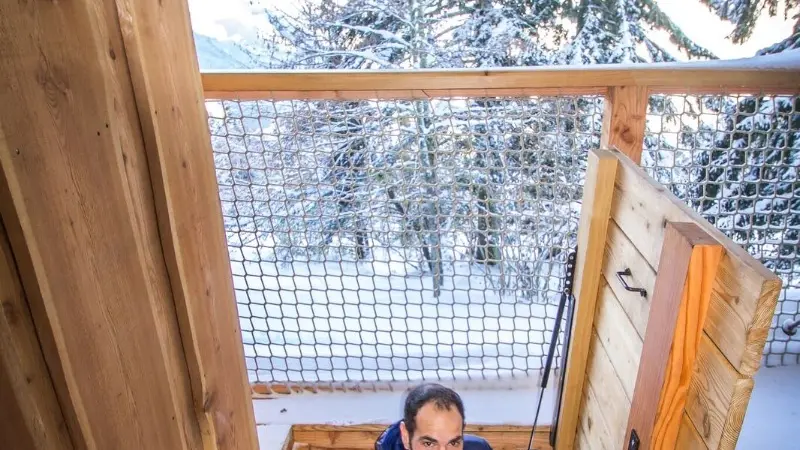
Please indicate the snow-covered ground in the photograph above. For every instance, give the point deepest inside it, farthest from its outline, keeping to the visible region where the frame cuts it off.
(373, 321)
(773, 414)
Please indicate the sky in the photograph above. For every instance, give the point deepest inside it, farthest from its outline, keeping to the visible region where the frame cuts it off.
(241, 19)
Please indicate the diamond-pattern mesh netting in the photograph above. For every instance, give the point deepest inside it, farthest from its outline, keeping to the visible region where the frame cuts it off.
(735, 159)
(389, 240)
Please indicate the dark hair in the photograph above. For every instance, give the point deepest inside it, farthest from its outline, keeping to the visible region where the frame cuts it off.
(444, 399)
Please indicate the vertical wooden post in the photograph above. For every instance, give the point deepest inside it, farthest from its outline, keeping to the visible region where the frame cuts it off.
(597, 195)
(122, 274)
(30, 417)
(688, 269)
(624, 120)
(169, 97)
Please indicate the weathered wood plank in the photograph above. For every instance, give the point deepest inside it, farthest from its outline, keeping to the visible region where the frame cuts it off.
(745, 295)
(608, 389)
(169, 96)
(624, 120)
(620, 339)
(30, 417)
(621, 255)
(681, 296)
(593, 421)
(597, 200)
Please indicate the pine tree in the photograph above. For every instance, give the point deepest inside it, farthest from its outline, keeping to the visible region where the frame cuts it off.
(370, 34)
(744, 14)
(612, 31)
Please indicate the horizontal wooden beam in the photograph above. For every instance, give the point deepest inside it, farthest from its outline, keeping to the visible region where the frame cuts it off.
(695, 78)
(356, 437)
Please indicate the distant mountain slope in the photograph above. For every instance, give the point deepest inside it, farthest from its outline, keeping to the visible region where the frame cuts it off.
(214, 54)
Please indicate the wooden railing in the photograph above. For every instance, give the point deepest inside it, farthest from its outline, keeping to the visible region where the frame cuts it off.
(626, 91)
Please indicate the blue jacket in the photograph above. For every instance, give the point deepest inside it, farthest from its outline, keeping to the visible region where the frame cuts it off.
(390, 440)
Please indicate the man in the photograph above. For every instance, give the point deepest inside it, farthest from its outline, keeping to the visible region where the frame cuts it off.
(433, 418)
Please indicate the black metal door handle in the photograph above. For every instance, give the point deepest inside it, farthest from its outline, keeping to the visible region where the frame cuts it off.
(627, 273)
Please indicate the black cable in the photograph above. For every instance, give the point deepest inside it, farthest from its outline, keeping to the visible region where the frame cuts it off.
(536, 417)
(551, 353)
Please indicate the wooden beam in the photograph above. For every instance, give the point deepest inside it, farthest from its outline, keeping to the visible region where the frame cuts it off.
(624, 120)
(682, 294)
(500, 437)
(407, 94)
(694, 78)
(30, 417)
(597, 198)
(78, 207)
(169, 97)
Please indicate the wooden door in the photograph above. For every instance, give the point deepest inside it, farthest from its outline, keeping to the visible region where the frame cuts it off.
(671, 320)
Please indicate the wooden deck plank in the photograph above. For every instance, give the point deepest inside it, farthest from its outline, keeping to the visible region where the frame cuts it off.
(597, 200)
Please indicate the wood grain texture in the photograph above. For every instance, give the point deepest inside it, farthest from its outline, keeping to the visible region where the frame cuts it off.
(744, 297)
(593, 420)
(688, 437)
(620, 339)
(578, 81)
(717, 397)
(598, 192)
(581, 440)
(500, 437)
(169, 98)
(624, 120)
(75, 202)
(688, 269)
(409, 94)
(30, 417)
(621, 254)
(608, 393)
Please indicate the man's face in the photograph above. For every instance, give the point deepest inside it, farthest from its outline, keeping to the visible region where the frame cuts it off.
(437, 429)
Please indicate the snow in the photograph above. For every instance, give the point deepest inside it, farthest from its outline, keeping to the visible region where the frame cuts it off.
(375, 321)
(773, 413)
